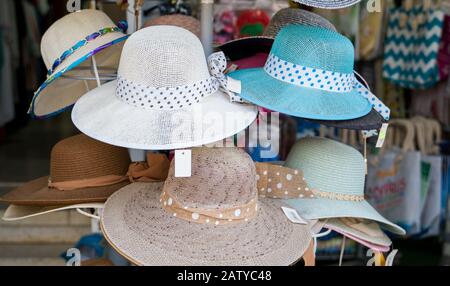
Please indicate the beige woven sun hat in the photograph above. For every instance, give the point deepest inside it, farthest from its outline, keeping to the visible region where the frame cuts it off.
(212, 218)
(167, 96)
(183, 21)
(66, 48)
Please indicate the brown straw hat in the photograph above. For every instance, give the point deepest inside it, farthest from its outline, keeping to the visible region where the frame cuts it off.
(82, 170)
(213, 217)
(187, 22)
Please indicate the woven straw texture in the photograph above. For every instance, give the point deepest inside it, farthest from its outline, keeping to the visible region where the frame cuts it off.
(312, 47)
(333, 167)
(74, 158)
(135, 223)
(328, 4)
(160, 56)
(61, 36)
(293, 16)
(187, 22)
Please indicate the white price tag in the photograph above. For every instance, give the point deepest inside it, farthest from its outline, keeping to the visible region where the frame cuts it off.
(234, 85)
(382, 135)
(293, 215)
(183, 163)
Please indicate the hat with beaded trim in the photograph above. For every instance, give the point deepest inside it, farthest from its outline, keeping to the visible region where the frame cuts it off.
(309, 74)
(335, 174)
(328, 4)
(167, 96)
(214, 217)
(66, 48)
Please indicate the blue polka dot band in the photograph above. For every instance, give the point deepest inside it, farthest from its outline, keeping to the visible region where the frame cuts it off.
(321, 79)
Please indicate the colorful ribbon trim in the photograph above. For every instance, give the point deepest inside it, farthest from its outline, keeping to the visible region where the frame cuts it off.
(121, 27)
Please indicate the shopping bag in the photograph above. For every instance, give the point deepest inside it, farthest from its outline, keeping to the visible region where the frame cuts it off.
(412, 45)
(393, 184)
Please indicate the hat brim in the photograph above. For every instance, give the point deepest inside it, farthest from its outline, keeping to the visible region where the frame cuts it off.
(37, 193)
(246, 47)
(365, 243)
(101, 115)
(328, 4)
(58, 93)
(261, 89)
(16, 212)
(382, 240)
(135, 224)
(320, 208)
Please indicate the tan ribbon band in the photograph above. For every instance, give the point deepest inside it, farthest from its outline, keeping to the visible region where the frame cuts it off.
(209, 216)
(280, 182)
(155, 169)
(107, 180)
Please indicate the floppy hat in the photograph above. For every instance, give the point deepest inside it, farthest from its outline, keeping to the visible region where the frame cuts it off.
(165, 96)
(364, 230)
(83, 170)
(66, 46)
(212, 218)
(309, 74)
(335, 175)
(183, 21)
(247, 53)
(328, 4)
(16, 212)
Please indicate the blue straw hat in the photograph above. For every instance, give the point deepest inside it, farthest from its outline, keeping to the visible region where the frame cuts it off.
(335, 175)
(309, 74)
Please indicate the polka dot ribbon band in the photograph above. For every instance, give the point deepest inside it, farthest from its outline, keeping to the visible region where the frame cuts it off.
(322, 80)
(278, 182)
(209, 216)
(122, 26)
(171, 98)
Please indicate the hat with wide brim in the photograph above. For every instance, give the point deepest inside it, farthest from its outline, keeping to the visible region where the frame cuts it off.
(137, 227)
(59, 91)
(321, 208)
(16, 212)
(136, 128)
(378, 238)
(328, 4)
(37, 193)
(375, 247)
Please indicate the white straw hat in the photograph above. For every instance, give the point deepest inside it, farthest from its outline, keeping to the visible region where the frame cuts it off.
(165, 96)
(66, 47)
(212, 218)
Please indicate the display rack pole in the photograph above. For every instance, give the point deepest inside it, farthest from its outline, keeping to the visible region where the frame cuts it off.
(95, 69)
(207, 19)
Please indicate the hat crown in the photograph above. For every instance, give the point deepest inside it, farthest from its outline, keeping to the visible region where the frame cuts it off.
(183, 21)
(222, 178)
(329, 166)
(293, 16)
(163, 56)
(70, 29)
(315, 47)
(80, 157)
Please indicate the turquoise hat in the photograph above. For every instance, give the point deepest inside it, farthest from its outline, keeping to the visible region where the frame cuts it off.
(335, 175)
(309, 74)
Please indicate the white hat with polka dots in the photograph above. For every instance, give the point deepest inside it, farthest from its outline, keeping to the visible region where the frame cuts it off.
(167, 96)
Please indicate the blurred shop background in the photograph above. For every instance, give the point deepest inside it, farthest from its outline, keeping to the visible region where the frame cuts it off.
(25, 144)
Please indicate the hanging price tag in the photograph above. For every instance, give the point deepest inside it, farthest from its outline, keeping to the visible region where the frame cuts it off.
(183, 161)
(382, 135)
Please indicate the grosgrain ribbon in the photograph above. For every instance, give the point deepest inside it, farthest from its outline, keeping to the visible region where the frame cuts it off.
(217, 63)
(102, 181)
(208, 216)
(122, 26)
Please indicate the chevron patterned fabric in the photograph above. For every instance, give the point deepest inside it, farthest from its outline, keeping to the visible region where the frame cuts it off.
(411, 47)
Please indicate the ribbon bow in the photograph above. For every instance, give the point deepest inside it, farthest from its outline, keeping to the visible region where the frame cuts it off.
(155, 169)
(217, 63)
